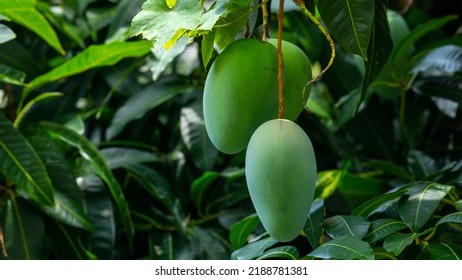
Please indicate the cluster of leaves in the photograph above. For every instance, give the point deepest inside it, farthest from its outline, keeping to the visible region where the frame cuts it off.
(104, 154)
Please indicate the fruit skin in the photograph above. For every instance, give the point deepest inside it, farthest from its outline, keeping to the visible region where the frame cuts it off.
(280, 171)
(297, 73)
(240, 93)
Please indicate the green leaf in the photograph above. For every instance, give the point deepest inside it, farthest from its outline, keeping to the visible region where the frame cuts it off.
(11, 76)
(349, 22)
(254, 249)
(420, 164)
(153, 182)
(401, 51)
(380, 47)
(24, 13)
(459, 205)
(137, 106)
(207, 47)
(68, 198)
(313, 225)
(117, 157)
(66, 242)
(375, 203)
(443, 251)
(163, 25)
(20, 162)
(40, 98)
(241, 230)
(15, 56)
(382, 228)
(455, 217)
(195, 137)
(227, 28)
(439, 86)
(344, 248)
(397, 242)
(125, 11)
(422, 200)
(92, 57)
(392, 169)
(164, 57)
(340, 225)
(6, 34)
(102, 240)
(447, 59)
(283, 252)
(91, 153)
(200, 188)
(23, 231)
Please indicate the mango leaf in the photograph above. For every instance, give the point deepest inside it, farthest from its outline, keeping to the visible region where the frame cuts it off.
(391, 169)
(11, 76)
(241, 230)
(19, 60)
(397, 242)
(40, 98)
(344, 248)
(340, 225)
(380, 47)
(200, 188)
(117, 157)
(459, 205)
(6, 34)
(313, 225)
(66, 242)
(283, 252)
(101, 214)
(20, 162)
(349, 22)
(451, 218)
(422, 200)
(420, 164)
(68, 198)
(153, 182)
(375, 203)
(381, 228)
(23, 231)
(446, 87)
(447, 59)
(164, 57)
(382, 254)
(140, 103)
(443, 251)
(92, 57)
(254, 249)
(195, 137)
(91, 153)
(401, 51)
(161, 24)
(24, 13)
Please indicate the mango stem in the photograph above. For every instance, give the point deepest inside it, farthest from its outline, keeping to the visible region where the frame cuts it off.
(280, 61)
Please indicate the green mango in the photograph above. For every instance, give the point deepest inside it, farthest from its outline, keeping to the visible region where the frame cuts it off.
(297, 74)
(240, 93)
(280, 170)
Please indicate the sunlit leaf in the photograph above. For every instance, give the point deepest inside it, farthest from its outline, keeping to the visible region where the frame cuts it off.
(283, 252)
(342, 225)
(241, 230)
(254, 249)
(20, 162)
(6, 34)
(344, 248)
(24, 13)
(381, 228)
(397, 242)
(92, 57)
(422, 200)
(349, 22)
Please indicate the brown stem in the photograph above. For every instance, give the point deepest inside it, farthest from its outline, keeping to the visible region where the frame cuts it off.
(265, 14)
(280, 61)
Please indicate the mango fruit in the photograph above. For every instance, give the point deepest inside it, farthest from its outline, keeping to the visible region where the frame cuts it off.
(280, 170)
(240, 93)
(297, 74)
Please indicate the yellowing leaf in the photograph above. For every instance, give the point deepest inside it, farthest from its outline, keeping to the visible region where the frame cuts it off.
(170, 3)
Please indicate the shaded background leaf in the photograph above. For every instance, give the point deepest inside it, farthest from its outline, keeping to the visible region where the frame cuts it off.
(344, 248)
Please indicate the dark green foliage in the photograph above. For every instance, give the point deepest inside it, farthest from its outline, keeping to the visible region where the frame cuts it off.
(104, 153)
